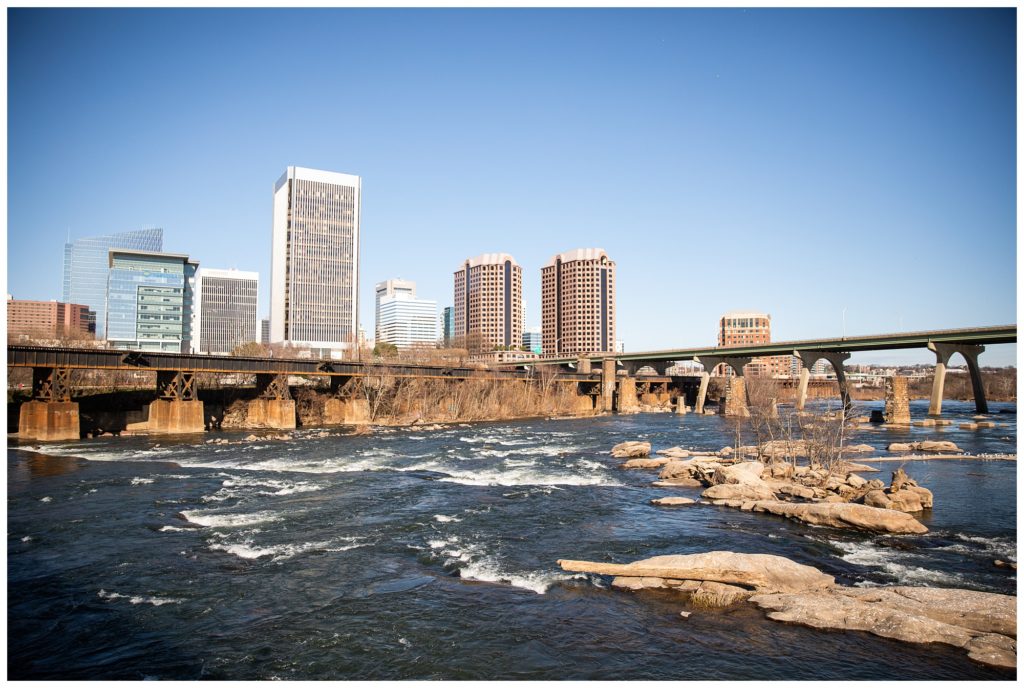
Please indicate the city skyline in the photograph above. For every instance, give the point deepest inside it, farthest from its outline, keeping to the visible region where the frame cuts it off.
(901, 154)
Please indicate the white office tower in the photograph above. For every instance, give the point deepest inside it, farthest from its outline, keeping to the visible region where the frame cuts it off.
(314, 278)
(404, 320)
(225, 310)
(390, 288)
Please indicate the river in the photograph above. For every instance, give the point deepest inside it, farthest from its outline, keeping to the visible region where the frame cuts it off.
(431, 554)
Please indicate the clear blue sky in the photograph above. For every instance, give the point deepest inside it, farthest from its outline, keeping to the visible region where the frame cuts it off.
(797, 162)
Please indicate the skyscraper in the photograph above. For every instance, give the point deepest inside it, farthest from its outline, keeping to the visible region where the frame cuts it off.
(225, 310)
(390, 288)
(402, 319)
(150, 300)
(314, 279)
(448, 325)
(489, 302)
(86, 266)
(578, 302)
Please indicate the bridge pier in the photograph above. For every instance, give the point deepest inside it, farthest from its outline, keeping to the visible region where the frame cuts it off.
(608, 383)
(943, 352)
(50, 415)
(710, 363)
(627, 400)
(273, 407)
(178, 409)
(345, 409)
(836, 359)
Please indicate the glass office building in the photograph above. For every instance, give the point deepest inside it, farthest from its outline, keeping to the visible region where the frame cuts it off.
(150, 301)
(86, 267)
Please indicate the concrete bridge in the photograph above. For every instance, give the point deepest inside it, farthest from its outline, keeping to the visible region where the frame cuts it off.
(968, 342)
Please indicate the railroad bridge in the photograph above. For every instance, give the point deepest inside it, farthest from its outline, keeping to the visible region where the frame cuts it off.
(609, 382)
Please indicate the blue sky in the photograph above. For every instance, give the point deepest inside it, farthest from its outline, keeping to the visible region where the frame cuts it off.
(797, 162)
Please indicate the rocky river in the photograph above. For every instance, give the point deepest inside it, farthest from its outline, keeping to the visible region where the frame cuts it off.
(421, 554)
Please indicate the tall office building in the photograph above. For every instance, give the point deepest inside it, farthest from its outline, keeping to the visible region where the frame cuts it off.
(404, 320)
(746, 328)
(49, 320)
(489, 301)
(86, 267)
(448, 325)
(578, 302)
(225, 310)
(265, 331)
(150, 300)
(314, 279)
(390, 288)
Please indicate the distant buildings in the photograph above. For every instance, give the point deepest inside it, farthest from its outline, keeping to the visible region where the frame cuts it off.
(86, 267)
(265, 331)
(150, 300)
(402, 319)
(743, 328)
(49, 320)
(314, 283)
(388, 288)
(225, 310)
(488, 302)
(532, 340)
(578, 302)
(448, 325)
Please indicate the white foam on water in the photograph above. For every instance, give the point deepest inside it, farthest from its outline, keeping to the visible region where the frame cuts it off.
(276, 487)
(995, 545)
(142, 481)
(441, 518)
(138, 599)
(249, 550)
(174, 529)
(887, 562)
(522, 476)
(46, 499)
(27, 538)
(212, 519)
(475, 564)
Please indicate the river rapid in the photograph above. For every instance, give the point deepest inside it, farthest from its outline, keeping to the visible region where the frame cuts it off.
(432, 554)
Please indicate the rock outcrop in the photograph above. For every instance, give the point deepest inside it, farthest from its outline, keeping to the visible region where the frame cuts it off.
(984, 624)
(843, 515)
(739, 491)
(631, 450)
(760, 572)
(646, 463)
(672, 501)
(926, 445)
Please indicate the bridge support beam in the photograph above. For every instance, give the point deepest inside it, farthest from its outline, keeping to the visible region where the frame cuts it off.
(51, 415)
(807, 360)
(342, 408)
(943, 352)
(836, 360)
(274, 408)
(178, 410)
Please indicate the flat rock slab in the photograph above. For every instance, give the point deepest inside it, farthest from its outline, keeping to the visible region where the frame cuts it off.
(673, 501)
(678, 482)
(984, 624)
(646, 463)
(843, 515)
(761, 572)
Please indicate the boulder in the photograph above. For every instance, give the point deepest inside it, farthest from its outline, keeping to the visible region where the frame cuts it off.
(911, 499)
(844, 515)
(854, 480)
(745, 473)
(781, 470)
(985, 424)
(901, 447)
(741, 491)
(984, 624)
(859, 448)
(937, 446)
(646, 463)
(760, 572)
(968, 426)
(631, 450)
(796, 491)
(672, 501)
(674, 453)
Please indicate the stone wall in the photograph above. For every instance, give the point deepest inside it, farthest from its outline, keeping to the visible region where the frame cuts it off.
(736, 397)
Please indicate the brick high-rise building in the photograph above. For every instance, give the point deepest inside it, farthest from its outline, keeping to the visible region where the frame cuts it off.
(49, 320)
(578, 302)
(489, 302)
(740, 328)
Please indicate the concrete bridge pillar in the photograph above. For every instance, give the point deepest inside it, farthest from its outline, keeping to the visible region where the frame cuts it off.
(943, 352)
(50, 415)
(807, 360)
(178, 409)
(274, 407)
(710, 363)
(627, 401)
(583, 365)
(608, 380)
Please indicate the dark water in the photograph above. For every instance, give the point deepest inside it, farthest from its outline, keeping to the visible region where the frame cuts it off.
(410, 554)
